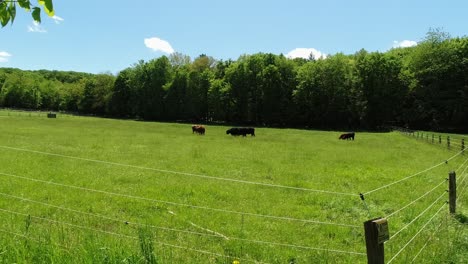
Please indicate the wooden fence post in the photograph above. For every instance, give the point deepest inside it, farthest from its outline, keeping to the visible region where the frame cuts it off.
(452, 192)
(376, 233)
(440, 139)
(432, 138)
(448, 142)
(463, 145)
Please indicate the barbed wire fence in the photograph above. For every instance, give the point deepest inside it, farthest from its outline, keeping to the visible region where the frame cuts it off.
(376, 223)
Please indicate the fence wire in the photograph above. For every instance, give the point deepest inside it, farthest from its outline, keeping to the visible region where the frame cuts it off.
(176, 230)
(420, 230)
(414, 175)
(427, 242)
(462, 188)
(61, 247)
(458, 169)
(124, 236)
(108, 218)
(283, 218)
(417, 199)
(182, 173)
(417, 217)
(207, 252)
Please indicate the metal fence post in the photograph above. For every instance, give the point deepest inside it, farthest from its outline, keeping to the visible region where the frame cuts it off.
(448, 142)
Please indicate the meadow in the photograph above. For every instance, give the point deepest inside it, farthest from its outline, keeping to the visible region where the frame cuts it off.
(95, 190)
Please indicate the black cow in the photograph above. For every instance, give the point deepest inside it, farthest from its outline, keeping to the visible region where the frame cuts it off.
(347, 136)
(237, 131)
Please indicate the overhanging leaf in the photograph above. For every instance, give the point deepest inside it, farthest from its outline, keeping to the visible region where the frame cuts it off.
(12, 11)
(48, 7)
(25, 4)
(4, 17)
(36, 14)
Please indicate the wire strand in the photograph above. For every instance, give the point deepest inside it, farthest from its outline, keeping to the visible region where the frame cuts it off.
(462, 166)
(419, 198)
(420, 230)
(464, 170)
(119, 235)
(178, 230)
(302, 247)
(106, 217)
(417, 217)
(33, 239)
(182, 173)
(462, 189)
(181, 204)
(427, 242)
(465, 176)
(240, 239)
(414, 175)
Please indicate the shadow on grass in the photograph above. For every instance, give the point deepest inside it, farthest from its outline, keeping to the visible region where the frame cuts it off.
(463, 219)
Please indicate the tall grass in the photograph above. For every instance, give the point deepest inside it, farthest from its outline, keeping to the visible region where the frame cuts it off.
(94, 190)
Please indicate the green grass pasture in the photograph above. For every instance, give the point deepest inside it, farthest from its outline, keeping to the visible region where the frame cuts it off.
(94, 190)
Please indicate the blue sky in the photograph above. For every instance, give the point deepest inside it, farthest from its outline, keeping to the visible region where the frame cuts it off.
(103, 35)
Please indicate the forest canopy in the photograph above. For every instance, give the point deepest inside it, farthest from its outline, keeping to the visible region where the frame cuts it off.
(420, 87)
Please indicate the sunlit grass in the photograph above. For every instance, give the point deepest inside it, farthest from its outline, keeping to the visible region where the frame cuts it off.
(145, 184)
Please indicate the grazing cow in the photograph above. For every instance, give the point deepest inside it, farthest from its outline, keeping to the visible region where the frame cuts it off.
(347, 136)
(199, 129)
(237, 131)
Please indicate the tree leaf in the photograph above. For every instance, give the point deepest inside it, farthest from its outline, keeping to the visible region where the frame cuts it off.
(12, 11)
(48, 7)
(4, 17)
(25, 4)
(36, 14)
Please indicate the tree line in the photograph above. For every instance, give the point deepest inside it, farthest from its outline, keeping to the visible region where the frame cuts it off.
(420, 87)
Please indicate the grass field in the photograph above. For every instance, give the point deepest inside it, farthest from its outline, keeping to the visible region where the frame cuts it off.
(94, 190)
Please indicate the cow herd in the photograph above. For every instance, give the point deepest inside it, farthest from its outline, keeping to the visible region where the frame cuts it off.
(244, 131)
(235, 131)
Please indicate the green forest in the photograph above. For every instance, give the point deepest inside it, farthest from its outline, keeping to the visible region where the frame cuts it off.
(420, 87)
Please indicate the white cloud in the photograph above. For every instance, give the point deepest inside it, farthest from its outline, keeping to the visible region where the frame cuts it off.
(305, 53)
(57, 19)
(4, 56)
(404, 43)
(36, 27)
(158, 44)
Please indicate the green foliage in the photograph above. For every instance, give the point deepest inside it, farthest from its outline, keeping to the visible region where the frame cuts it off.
(422, 87)
(36, 14)
(96, 94)
(121, 96)
(8, 10)
(324, 101)
(382, 87)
